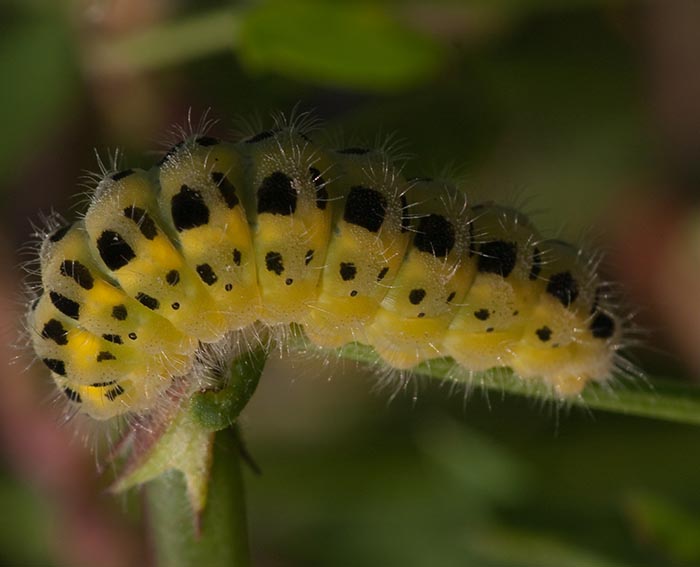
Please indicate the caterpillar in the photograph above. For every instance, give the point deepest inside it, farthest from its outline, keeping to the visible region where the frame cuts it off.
(274, 230)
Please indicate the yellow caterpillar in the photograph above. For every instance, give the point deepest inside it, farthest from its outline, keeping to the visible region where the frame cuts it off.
(276, 229)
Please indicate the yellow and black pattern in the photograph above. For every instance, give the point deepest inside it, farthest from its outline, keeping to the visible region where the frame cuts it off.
(276, 230)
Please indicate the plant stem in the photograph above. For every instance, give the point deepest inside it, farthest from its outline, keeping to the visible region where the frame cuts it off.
(654, 398)
(222, 538)
(171, 43)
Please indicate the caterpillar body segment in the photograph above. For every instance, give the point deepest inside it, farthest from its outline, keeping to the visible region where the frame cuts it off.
(369, 241)
(492, 315)
(568, 332)
(222, 237)
(201, 202)
(292, 221)
(105, 400)
(431, 282)
(126, 235)
(79, 290)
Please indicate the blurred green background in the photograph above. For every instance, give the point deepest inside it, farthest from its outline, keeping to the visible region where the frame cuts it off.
(576, 111)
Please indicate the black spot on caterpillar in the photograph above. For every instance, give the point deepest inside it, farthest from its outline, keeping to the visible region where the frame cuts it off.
(188, 209)
(55, 331)
(114, 250)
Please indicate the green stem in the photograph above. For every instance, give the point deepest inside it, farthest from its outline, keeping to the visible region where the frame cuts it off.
(195, 494)
(171, 43)
(223, 534)
(654, 398)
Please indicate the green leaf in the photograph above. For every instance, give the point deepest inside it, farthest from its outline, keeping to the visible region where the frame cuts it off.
(353, 44)
(186, 447)
(660, 399)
